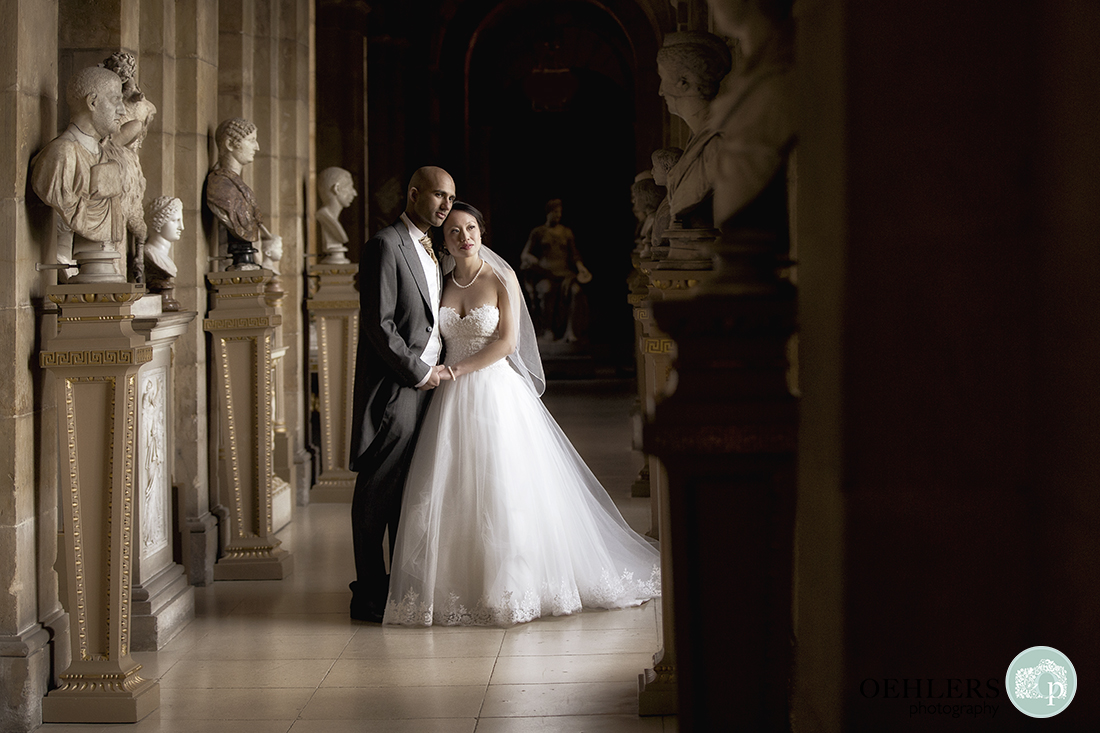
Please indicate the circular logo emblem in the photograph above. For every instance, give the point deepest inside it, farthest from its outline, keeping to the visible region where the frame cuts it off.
(1041, 682)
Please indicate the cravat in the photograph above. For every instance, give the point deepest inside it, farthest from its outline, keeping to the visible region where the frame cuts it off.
(427, 242)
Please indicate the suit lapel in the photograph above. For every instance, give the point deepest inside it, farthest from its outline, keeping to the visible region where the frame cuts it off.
(412, 259)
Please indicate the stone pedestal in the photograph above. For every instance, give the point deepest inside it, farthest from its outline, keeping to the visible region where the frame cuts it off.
(163, 600)
(727, 438)
(282, 453)
(242, 325)
(670, 273)
(334, 316)
(95, 355)
(282, 493)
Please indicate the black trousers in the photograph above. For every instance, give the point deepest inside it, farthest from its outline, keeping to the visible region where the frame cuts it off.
(379, 486)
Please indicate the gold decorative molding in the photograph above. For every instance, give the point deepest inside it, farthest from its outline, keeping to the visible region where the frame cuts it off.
(674, 283)
(91, 298)
(83, 319)
(101, 683)
(657, 346)
(332, 304)
(107, 357)
(228, 324)
(130, 440)
(249, 553)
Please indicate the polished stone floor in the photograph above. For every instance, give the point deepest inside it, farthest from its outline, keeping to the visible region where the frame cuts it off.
(279, 656)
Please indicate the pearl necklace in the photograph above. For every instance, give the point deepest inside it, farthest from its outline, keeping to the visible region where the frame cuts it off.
(455, 279)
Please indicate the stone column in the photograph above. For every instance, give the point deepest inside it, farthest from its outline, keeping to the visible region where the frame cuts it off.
(163, 600)
(241, 325)
(666, 280)
(334, 313)
(34, 628)
(638, 285)
(195, 108)
(95, 355)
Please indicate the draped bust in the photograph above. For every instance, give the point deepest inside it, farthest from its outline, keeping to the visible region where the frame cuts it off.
(692, 65)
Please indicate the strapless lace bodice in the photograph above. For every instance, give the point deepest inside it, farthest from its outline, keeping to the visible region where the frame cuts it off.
(466, 335)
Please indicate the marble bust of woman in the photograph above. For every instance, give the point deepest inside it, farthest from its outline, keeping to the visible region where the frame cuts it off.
(692, 65)
(165, 222)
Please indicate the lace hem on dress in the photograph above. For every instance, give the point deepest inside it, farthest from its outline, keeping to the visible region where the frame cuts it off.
(620, 591)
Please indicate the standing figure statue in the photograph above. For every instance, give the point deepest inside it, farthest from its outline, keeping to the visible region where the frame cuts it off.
(336, 190)
(75, 176)
(645, 197)
(553, 274)
(123, 147)
(692, 65)
(755, 116)
(233, 202)
(166, 224)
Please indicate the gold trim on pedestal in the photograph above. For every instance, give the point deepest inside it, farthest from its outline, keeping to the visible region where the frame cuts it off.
(334, 314)
(241, 324)
(95, 358)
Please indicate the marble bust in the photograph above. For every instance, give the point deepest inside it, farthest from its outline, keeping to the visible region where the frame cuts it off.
(755, 116)
(336, 189)
(75, 176)
(663, 161)
(124, 145)
(165, 221)
(233, 202)
(692, 65)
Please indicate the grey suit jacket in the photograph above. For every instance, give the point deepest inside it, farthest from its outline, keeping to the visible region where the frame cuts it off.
(395, 321)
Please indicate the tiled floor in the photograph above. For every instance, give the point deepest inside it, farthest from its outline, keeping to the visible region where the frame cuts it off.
(279, 656)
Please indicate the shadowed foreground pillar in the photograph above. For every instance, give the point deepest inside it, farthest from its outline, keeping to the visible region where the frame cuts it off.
(727, 439)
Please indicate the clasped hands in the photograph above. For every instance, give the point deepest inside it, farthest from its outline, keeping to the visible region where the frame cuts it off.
(439, 373)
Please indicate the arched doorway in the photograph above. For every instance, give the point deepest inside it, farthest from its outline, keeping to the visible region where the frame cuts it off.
(541, 100)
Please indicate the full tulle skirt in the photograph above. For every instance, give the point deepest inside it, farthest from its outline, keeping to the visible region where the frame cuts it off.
(502, 522)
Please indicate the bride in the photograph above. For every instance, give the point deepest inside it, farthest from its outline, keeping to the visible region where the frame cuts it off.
(502, 522)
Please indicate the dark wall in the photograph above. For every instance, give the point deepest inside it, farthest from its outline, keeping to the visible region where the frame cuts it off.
(959, 275)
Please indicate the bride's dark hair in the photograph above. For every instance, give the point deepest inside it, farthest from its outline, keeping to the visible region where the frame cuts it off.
(468, 209)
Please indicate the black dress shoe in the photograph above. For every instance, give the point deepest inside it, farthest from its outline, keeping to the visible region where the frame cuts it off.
(368, 612)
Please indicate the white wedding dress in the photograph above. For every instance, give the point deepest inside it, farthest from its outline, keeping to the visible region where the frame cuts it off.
(502, 522)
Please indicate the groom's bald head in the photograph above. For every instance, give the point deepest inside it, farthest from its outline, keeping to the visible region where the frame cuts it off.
(431, 193)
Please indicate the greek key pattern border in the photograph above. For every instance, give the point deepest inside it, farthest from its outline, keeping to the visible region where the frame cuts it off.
(105, 357)
(229, 324)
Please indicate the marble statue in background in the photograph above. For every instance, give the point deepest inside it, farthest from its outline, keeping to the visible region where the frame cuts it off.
(663, 161)
(336, 190)
(755, 115)
(645, 197)
(553, 273)
(232, 200)
(692, 65)
(75, 176)
(123, 147)
(166, 224)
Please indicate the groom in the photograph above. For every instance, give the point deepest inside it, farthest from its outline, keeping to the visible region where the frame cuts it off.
(395, 371)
